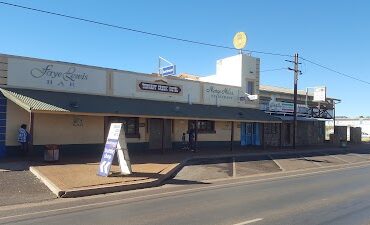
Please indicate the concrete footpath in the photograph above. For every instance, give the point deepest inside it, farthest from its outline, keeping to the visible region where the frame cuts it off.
(75, 177)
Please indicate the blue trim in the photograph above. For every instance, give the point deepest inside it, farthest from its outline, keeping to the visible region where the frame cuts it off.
(3, 101)
(2, 151)
(243, 134)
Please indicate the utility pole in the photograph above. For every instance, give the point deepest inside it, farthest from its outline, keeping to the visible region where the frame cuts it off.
(296, 72)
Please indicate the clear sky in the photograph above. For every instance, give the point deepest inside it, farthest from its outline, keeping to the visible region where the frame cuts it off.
(332, 33)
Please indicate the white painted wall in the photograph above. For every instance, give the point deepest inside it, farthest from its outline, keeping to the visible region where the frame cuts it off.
(228, 71)
(233, 72)
(355, 122)
(251, 72)
(236, 71)
(225, 95)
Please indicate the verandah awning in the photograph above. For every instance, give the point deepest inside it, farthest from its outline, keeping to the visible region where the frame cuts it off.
(73, 103)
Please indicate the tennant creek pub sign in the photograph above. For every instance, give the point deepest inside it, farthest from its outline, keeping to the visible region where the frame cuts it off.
(164, 88)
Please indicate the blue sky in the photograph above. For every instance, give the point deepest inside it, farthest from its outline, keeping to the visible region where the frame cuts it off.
(333, 33)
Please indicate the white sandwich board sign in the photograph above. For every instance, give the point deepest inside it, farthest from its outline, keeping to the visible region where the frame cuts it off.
(116, 142)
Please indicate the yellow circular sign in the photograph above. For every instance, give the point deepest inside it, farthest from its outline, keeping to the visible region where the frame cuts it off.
(240, 40)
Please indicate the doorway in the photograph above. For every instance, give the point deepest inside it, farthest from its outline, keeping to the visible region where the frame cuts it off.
(160, 134)
(250, 134)
(288, 135)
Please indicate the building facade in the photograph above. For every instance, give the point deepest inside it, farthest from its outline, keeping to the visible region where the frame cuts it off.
(72, 105)
(311, 116)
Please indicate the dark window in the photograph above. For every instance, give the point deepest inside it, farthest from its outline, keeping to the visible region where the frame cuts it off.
(131, 125)
(204, 126)
(250, 87)
(271, 128)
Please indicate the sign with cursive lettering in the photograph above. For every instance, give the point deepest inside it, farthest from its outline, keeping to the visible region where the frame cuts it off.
(146, 86)
(55, 76)
(221, 93)
(226, 95)
(71, 75)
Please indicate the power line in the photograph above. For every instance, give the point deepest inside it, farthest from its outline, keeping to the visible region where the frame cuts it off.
(335, 71)
(177, 38)
(138, 31)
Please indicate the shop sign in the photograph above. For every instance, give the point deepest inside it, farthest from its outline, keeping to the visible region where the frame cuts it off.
(77, 122)
(50, 75)
(67, 77)
(164, 88)
(286, 107)
(319, 94)
(115, 142)
(220, 93)
(168, 70)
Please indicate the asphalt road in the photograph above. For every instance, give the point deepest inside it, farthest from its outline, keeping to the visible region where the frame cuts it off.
(18, 187)
(338, 196)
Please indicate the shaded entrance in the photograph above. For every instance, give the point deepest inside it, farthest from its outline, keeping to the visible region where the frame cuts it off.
(250, 134)
(160, 134)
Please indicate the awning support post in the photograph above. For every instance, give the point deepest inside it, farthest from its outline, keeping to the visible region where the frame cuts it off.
(196, 135)
(31, 119)
(263, 136)
(281, 135)
(232, 136)
(163, 123)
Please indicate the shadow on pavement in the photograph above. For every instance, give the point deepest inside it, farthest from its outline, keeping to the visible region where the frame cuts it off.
(182, 182)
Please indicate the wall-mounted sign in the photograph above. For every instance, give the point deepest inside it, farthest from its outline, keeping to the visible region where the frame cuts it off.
(221, 93)
(146, 86)
(55, 76)
(286, 107)
(319, 94)
(77, 122)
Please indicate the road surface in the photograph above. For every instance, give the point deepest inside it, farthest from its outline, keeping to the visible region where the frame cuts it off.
(335, 196)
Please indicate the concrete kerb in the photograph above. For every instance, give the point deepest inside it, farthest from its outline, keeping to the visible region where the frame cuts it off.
(55, 189)
(165, 174)
(261, 177)
(104, 189)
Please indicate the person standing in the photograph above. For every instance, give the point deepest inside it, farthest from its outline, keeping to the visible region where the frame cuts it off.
(23, 137)
(192, 139)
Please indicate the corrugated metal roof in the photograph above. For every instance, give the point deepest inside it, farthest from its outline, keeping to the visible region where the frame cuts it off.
(30, 103)
(36, 100)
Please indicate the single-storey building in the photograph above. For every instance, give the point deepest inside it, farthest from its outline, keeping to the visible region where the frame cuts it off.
(72, 105)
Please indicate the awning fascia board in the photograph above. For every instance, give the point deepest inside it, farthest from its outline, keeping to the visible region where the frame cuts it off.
(147, 116)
